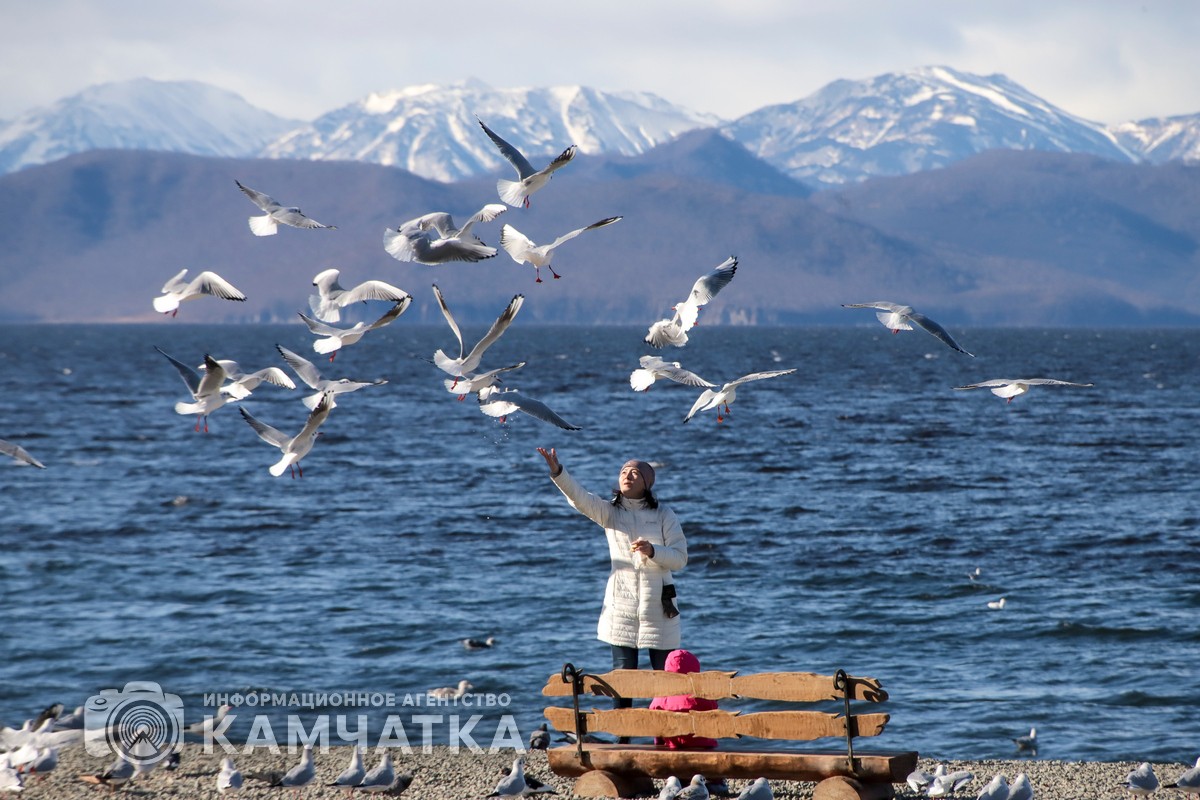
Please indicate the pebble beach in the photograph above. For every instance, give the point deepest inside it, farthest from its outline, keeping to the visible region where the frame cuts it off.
(447, 774)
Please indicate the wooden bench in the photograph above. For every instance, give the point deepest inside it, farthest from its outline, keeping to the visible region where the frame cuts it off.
(626, 770)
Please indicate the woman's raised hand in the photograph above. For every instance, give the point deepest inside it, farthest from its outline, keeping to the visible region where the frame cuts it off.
(551, 457)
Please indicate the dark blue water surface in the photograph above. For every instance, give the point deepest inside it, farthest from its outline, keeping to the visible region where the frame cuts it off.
(832, 522)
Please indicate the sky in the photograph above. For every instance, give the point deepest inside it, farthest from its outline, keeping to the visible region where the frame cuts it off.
(1103, 60)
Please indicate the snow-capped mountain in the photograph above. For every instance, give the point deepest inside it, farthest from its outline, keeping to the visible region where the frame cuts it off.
(432, 131)
(140, 114)
(1162, 139)
(906, 122)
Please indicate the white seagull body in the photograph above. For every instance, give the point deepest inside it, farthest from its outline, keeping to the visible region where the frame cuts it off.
(1027, 742)
(451, 692)
(1020, 788)
(229, 779)
(654, 368)
(302, 774)
(949, 782)
(473, 383)
(513, 784)
(307, 372)
(673, 330)
(19, 453)
(353, 774)
(443, 223)
(334, 339)
(497, 403)
(331, 297)
(696, 790)
(1188, 782)
(413, 242)
(380, 778)
(1010, 388)
(671, 789)
(529, 180)
(725, 396)
(996, 789)
(276, 214)
(295, 447)
(1142, 781)
(206, 284)
(896, 318)
(206, 392)
(524, 251)
(465, 365)
(759, 789)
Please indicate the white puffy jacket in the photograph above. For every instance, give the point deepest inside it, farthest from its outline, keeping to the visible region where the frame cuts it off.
(633, 614)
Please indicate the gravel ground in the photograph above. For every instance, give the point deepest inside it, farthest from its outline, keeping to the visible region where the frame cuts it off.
(445, 774)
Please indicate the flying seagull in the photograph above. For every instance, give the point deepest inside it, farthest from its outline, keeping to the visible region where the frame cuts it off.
(331, 297)
(465, 365)
(415, 241)
(19, 453)
(673, 330)
(308, 372)
(1004, 387)
(529, 180)
(337, 338)
(295, 447)
(497, 403)
(725, 396)
(276, 214)
(443, 223)
(897, 318)
(654, 368)
(524, 251)
(177, 290)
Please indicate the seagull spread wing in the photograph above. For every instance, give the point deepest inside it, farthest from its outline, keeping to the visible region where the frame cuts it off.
(925, 323)
(513, 155)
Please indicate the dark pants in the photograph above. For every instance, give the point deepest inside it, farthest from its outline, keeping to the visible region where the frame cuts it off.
(627, 658)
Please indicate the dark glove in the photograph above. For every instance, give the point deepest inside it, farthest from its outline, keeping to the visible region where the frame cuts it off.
(668, 601)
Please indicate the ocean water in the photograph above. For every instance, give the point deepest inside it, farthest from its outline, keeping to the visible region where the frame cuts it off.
(833, 521)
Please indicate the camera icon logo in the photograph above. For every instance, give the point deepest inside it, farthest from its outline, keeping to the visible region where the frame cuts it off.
(140, 722)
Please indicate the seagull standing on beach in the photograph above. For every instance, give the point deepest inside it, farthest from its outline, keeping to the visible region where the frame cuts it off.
(1010, 388)
(512, 785)
(229, 779)
(996, 789)
(673, 330)
(20, 454)
(335, 339)
(539, 739)
(10, 779)
(696, 790)
(1020, 788)
(119, 773)
(206, 284)
(758, 789)
(1142, 781)
(728, 393)
(948, 783)
(671, 789)
(898, 318)
(529, 180)
(465, 365)
(524, 251)
(654, 368)
(1188, 782)
(300, 775)
(353, 774)
(276, 214)
(380, 778)
(307, 371)
(295, 447)
(331, 298)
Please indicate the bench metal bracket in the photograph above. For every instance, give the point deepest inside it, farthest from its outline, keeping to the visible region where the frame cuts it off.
(842, 683)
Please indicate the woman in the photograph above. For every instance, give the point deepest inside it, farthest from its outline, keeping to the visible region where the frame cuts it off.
(645, 545)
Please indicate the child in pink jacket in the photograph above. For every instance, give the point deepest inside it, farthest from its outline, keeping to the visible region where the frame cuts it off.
(683, 662)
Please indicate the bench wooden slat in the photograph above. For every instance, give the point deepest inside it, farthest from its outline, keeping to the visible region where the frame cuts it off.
(797, 687)
(870, 767)
(718, 724)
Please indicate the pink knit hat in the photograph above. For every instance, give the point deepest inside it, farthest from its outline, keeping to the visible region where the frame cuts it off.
(644, 468)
